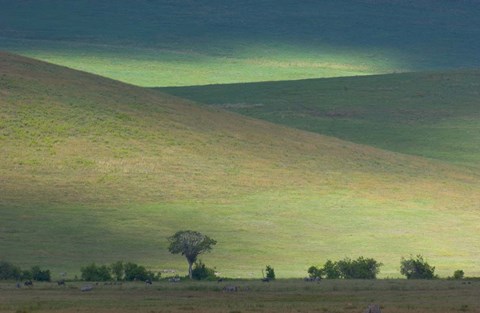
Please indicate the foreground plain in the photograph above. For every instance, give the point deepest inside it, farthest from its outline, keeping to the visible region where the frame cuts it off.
(394, 296)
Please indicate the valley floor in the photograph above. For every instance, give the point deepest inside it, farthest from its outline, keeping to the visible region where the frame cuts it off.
(393, 296)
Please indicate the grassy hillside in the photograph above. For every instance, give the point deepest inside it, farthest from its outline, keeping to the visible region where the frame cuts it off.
(430, 114)
(171, 43)
(97, 170)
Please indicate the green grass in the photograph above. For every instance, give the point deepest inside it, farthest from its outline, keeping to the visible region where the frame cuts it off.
(163, 67)
(163, 43)
(429, 114)
(397, 296)
(94, 170)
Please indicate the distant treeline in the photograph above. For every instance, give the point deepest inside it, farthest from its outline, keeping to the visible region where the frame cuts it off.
(360, 268)
(11, 271)
(119, 270)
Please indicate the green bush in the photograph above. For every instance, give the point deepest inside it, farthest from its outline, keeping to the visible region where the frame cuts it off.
(361, 268)
(201, 272)
(9, 271)
(137, 272)
(330, 270)
(416, 268)
(118, 270)
(270, 272)
(315, 272)
(39, 275)
(458, 274)
(93, 272)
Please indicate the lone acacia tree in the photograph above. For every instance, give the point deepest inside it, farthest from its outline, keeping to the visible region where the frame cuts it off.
(190, 244)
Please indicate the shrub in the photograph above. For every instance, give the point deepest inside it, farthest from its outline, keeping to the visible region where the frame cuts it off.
(330, 270)
(9, 271)
(416, 268)
(134, 271)
(360, 268)
(117, 269)
(201, 272)
(93, 272)
(315, 272)
(270, 272)
(39, 275)
(458, 274)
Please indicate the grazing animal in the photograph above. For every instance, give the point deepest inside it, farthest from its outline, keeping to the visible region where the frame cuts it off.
(311, 279)
(61, 282)
(148, 282)
(174, 279)
(28, 283)
(373, 308)
(230, 288)
(86, 288)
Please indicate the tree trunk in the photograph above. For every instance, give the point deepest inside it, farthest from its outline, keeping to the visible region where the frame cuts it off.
(190, 264)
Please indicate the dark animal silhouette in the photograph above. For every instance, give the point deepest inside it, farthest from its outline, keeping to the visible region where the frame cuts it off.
(373, 308)
(174, 279)
(86, 288)
(230, 288)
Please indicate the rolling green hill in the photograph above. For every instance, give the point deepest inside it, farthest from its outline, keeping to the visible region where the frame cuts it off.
(172, 43)
(97, 170)
(430, 114)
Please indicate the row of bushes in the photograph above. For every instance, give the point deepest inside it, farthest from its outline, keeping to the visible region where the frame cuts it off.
(361, 268)
(118, 271)
(368, 268)
(11, 271)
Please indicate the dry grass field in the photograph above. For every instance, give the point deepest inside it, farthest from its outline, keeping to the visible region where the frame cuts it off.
(393, 296)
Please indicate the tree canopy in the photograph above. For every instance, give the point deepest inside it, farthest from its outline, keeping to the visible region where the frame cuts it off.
(190, 244)
(417, 268)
